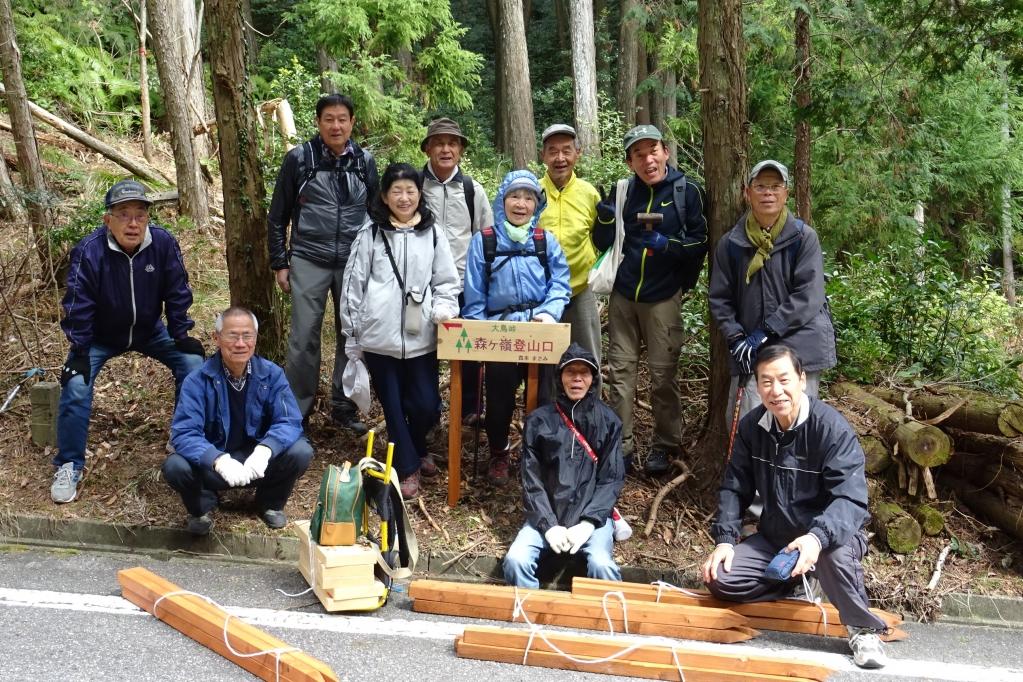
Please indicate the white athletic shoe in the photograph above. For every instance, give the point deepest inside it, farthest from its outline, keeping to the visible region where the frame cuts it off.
(867, 650)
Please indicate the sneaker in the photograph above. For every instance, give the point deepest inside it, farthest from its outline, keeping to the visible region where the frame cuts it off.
(65, 483)
(427, 467)
(622, 529)
(350, 422)
(200, 525)
(497, 469)
(410, 486)
(274, 518)
(656, 463)
(867, 650)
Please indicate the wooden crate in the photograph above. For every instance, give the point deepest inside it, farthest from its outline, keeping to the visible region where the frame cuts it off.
(342, 577)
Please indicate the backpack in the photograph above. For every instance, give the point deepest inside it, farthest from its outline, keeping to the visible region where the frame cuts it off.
(384, 498)
(337, 519)
(312, 155)
(490, 252)
(469, 190)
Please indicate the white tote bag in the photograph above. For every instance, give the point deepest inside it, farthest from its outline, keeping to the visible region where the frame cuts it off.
(603, 273)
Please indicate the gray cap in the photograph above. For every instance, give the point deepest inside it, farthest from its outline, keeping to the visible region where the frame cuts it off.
(558, 129)
(642, 132)
(126, 190)
(764, 165)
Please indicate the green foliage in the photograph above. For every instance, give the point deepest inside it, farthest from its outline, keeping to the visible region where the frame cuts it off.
(924, 321)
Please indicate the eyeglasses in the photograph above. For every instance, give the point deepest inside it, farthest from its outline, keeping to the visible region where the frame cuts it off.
(764, 189)
(131, 217)
(233, 337)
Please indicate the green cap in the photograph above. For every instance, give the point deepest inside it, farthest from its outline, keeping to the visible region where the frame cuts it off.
(643, 132)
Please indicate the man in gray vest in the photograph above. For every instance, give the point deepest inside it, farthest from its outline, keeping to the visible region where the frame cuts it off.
(322, 191)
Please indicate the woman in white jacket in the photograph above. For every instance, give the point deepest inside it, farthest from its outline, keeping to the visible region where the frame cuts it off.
(399, 283)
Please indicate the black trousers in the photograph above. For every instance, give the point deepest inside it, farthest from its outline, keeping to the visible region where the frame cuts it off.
(198, 485)
(503, 379)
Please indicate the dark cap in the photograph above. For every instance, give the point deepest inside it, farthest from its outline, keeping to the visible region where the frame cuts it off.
(641, 132)
(558, 129)
(126, 190)
(443, 126)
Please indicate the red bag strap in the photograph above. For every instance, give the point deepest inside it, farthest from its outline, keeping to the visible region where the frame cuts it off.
(578, 436)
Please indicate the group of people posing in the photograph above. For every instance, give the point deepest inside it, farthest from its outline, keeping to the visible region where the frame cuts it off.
(401, 252)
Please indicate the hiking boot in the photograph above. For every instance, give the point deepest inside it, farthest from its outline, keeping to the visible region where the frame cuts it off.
(274, 518)
(200, 525)
(427, 467)
(867, 650)
(657, 463)
(349, 421)
(65, 483)
(410, 486)
(497, 469)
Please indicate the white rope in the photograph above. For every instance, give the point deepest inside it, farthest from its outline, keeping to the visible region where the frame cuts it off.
(662, 585)
(607, 614)
(536, 631)
(227, 618)
(312, 574)
(816, 601)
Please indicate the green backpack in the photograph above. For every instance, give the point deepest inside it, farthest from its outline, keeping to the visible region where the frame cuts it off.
(339, 507)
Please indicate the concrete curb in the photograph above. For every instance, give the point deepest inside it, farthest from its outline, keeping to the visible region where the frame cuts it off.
(249, 548)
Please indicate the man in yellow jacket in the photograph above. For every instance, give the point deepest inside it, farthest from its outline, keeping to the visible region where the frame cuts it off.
(569, 215)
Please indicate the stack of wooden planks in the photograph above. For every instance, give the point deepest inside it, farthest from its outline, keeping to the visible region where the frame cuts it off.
(240, 643)
(342, 577)
(589, 653)
(785, 615)
(544, 607)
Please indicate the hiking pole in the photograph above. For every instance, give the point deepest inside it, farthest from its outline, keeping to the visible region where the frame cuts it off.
(740, 391)
(476, 426)
(17, 387)
(649, 220)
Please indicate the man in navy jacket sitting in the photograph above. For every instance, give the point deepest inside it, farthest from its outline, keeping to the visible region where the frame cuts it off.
(124, 277)
(237, 423)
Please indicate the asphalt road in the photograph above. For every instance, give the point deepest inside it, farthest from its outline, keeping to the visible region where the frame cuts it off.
(63, 619)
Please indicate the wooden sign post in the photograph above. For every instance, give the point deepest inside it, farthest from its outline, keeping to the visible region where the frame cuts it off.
(534, 343)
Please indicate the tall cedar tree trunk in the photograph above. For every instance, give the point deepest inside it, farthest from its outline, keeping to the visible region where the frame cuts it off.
(147, 133)
(802, 150)
(584, 75)
(188, 35)
(628, 65)
(191, 189)
(248, 262)
(500, 119)
(1008, 269)
(13, 209)
(29, 165)
(561, 12)
(251, 36)
(326, 64)
(642, 73)
(517, 96)
(725, 139)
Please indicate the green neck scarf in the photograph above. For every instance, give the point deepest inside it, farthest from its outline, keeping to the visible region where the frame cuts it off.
(764, 241)
(517, 233)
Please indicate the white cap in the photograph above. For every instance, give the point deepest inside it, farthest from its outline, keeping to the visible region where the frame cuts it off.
(764, 165)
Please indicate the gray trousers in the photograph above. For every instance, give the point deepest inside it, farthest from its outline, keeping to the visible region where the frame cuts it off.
(839, 570)
(310, 285)
(582, 313)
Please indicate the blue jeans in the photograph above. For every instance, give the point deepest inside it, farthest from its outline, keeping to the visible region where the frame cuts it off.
(76, 398)
(524, 553)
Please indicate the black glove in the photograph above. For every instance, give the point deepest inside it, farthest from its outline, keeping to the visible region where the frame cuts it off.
(76, 364)
(606, 207)
(190, 346)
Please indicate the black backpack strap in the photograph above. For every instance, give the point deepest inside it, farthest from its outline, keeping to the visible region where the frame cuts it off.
(540, 247)
(679, 192)
(311, 161)
(469, 190)
(489, 253)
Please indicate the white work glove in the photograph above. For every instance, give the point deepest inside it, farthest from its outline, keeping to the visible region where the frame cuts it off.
(544, 317)
(257, 461)
(557, 538)
(443, 313)
(352, 349)
(231, 470)
(578, 535)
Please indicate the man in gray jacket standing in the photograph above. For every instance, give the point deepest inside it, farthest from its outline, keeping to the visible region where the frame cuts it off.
(322, 191)
(767, 286)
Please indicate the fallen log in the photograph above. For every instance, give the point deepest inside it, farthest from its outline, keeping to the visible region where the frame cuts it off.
(987, 505)
(896, 528)
(981, 412)
(998, 448)
(136, 166)
(925, 445)
(989, 473)
(877, 453)
(930, 519)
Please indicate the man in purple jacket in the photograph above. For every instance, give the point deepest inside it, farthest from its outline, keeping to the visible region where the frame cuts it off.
(123, 278)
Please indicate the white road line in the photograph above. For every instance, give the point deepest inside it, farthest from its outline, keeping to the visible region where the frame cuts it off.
(442, 630)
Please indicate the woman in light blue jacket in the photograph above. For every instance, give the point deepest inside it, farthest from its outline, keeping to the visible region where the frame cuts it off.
(515, 272)
(399, 283)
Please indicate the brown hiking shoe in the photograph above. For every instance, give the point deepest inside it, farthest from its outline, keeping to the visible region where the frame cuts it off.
(410, 486)
(427, 467)
(497, 470)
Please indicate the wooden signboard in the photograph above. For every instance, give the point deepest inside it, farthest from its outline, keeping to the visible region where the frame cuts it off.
(533, 343)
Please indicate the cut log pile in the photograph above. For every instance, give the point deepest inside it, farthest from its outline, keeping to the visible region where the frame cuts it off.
(626, 656)
(546, 607)
(258, 652)
(783, 615)
(976, 438)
